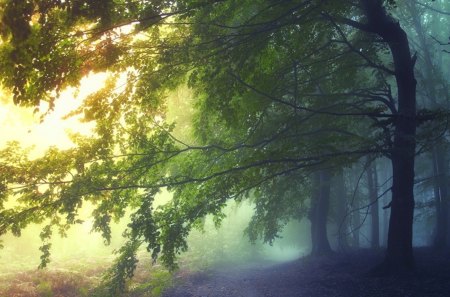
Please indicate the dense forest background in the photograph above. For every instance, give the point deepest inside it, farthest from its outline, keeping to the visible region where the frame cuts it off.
(227, 131)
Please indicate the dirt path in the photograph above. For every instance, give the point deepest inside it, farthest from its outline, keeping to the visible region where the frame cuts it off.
(224, 281)
(326, 277)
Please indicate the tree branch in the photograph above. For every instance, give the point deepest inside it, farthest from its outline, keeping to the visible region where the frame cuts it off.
(433, 8)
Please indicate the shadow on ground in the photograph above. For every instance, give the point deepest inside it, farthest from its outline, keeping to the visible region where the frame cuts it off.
(339, 275)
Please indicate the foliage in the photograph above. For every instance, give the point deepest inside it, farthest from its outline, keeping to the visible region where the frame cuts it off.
(281, 89)
(82, 280)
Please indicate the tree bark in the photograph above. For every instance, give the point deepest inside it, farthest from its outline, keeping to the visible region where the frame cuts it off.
(399, 254)
(440, 166)
(319, 213)
(385, 184)
(341, 210)
(441, 240)
(372, 184)
(356, 222)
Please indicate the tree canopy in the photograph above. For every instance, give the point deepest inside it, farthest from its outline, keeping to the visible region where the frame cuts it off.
(279, 90)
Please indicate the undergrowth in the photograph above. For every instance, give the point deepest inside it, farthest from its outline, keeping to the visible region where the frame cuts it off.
(82, 280)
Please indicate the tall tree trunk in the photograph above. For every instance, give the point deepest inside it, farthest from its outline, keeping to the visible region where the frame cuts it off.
(355, 205)
(437, 232)
(341, 209)
(441, 198)
(319, 213)
(356, 222)
(372, 182)
(399, 254)
(386, 216)
(440, 167)
(385, 183)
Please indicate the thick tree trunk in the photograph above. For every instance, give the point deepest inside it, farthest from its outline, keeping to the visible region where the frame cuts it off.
(399, 254)
(319, 213)
(372, 184)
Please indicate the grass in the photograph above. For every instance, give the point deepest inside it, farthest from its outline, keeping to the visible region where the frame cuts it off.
(81, 279)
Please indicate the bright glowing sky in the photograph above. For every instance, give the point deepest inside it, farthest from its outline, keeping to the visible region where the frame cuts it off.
(19, 123)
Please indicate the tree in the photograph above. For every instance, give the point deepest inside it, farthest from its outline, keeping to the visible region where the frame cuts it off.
(319, 213)
(372, 185)
(434, 95)
(342, 217)
(281, 91)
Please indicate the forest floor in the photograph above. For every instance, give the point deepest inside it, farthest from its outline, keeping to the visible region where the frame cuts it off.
(343, 275)
(80, 278)
(337, 275)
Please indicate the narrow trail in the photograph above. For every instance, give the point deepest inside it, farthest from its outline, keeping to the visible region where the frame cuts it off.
(249, 280)
(343, 275)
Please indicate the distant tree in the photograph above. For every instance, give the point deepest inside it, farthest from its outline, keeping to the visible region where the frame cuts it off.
(372, 185)
(342, 216)
(319, 213)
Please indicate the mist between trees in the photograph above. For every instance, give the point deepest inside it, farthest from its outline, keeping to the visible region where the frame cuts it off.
(328, 112)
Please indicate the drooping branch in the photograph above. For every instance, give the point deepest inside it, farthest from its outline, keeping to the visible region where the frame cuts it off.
(324, 110)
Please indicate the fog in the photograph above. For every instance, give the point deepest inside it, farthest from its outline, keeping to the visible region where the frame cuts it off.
(208, 247)
(336, 114)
